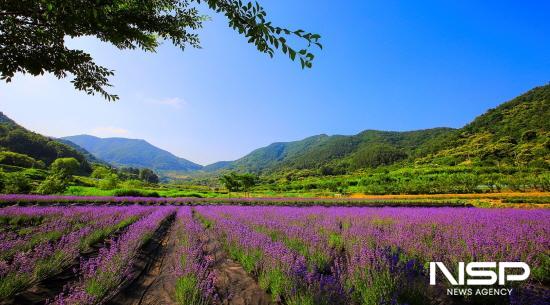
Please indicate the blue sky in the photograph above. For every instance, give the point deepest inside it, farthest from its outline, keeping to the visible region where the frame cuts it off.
(389, 65)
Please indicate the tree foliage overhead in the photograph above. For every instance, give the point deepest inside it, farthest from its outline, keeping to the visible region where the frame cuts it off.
(33, 33)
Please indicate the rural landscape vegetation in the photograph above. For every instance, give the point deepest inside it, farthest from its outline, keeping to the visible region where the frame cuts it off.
(505, 150)
(329, 219)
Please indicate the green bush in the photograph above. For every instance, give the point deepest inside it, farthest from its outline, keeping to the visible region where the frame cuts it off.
(133, 184)
(54, 184)
(134, 193)
(100, 172)
(21, 160)
(110, 182)
(35, 174)
(16, 183)
(2, 181)
(65, 166)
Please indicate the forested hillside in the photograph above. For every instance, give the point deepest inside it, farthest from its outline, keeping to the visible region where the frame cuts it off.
(507, 148)
(132, 153)
(91, 158)
(339, 154)
(20, 146)
(516, 133)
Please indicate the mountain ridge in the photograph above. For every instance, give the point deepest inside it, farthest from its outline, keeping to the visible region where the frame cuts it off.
(18, 139)
(336, 150)
(515, 133)
(132, 153)
(498, 136)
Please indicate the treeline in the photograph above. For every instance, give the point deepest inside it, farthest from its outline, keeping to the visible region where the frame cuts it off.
(426, 180)
(41, 150)
(458, 183)
(236, 182)
(23, 175)
(32, 163)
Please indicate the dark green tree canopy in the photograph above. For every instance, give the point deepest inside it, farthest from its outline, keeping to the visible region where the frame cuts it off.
(33, 33)
(65, 166)
(238, 182)
(148, 175)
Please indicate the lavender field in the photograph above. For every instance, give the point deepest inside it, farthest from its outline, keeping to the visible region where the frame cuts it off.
(262, 255)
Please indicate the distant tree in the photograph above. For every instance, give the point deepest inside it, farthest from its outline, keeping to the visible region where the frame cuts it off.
(132, 184)
(230, 181)
(61, 175)
(2, 181)
(16, 183)
(128, 173)
(65, 166)
(21, 160)
(239, 182)
(148, 176)
(56, 183)
(247, 181)
(100, 172)
(529, 135)
(33, 33)
(378, 155)
(108, 183)
(327, 170)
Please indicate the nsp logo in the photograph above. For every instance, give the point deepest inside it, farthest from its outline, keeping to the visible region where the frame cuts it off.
(481, 273)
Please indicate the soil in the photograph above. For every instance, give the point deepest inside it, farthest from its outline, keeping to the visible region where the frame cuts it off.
(233, 285)
(154, 281)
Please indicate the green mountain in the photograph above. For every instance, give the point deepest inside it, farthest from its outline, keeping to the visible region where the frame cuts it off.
(220, 165)
(338, 154)
(91, 158)
(132, 153)
(515, 133)
(16, 139)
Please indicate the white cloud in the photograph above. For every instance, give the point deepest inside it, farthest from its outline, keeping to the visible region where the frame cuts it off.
(109, 131)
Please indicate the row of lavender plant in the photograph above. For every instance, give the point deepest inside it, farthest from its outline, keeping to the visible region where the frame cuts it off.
(7, 199)
(300, 230)
(102, 276)
(25, 227)
(79, 229)
(390, 248)
(195, 280)
(378, 255)
(281, 271)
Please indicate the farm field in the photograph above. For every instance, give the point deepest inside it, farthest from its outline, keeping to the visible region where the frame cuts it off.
(296, 153)
(227, 254)
(494, 200)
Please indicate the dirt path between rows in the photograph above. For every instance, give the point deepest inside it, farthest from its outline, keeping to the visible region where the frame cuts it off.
(233, 285)
(155, 282)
